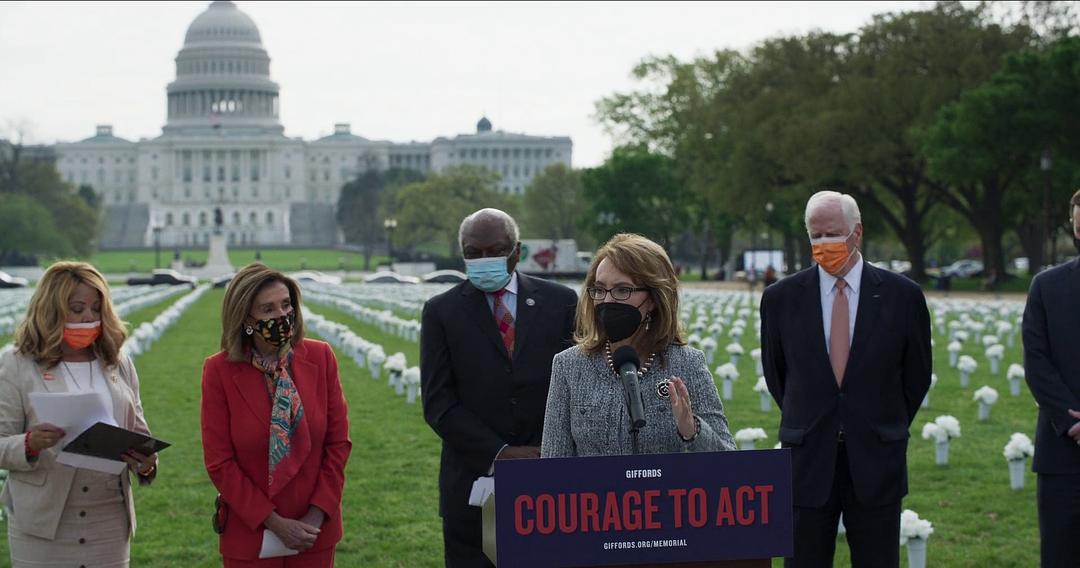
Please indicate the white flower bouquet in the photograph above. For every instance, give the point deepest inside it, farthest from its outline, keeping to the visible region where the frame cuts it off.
(941, 430)
(734, 349)
(994, 353)
(986, 397)
(375, 358)
(954, 352)
(913, 533)
(911, 527)
(966, 365)
(1015, 374)
(1019, 447)
(762, 388)
(395, 366)
(411, 381)
(728, 372)
(708, 345)
(933, 383)
(747, 437)
(1016, 452)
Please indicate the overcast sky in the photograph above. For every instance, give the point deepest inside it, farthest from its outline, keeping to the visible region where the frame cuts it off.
(395, 71)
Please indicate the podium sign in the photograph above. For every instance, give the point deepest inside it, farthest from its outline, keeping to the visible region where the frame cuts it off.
(646, 509)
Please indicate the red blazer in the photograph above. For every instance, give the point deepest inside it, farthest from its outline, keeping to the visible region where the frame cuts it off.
(236, 434)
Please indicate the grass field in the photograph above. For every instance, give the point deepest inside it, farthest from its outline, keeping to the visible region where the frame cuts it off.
(282, 259)
(390, 504)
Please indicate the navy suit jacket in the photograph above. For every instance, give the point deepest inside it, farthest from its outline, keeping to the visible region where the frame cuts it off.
(1051, 331)
(887, 376)
(475, 396)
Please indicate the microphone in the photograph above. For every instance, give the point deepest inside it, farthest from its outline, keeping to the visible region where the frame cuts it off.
(625, 359)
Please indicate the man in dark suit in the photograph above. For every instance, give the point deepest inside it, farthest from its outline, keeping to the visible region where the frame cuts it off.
(486, 347)
(1052, 370)
(846, 354)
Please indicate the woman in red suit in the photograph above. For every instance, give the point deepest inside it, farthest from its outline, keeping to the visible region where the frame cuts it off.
(275, 429)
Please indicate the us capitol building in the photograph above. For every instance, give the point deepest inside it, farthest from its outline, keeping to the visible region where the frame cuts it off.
(223, 148)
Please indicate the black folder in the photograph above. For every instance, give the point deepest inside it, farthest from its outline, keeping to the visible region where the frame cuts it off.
(110, 442)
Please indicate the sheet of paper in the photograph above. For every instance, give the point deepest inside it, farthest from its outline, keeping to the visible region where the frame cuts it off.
(72, 411)
(75, 412)
(482, 488)
(272, 547)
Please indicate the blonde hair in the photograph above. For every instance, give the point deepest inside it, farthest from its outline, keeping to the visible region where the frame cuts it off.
(649, 266)
(239, 298)
(41, 333)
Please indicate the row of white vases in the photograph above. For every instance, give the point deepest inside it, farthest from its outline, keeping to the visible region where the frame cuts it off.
(385, 320)
(368, 355)
(147, 333)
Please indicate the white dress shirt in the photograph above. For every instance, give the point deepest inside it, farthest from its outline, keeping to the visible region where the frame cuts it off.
(828, 293)
(87, 377)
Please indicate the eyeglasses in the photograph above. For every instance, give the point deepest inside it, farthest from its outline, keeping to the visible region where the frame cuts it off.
(619, 293)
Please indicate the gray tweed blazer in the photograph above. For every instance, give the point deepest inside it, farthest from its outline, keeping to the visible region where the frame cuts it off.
(586, 411)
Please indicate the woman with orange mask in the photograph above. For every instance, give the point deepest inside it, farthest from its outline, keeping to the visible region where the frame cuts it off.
(70, 341)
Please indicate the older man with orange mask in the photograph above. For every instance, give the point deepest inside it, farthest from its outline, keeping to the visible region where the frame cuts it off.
(846, 354)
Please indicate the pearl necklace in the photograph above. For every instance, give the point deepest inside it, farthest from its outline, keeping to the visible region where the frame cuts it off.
(611, 363)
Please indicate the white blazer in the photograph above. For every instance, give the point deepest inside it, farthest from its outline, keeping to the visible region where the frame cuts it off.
(36, 491)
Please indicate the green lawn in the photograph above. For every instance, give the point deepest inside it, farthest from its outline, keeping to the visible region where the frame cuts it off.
(282, 259)
(391, 507)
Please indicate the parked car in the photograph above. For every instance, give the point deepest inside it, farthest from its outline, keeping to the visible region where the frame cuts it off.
(900, 266)
(966, 268)
(223, 280)
(315, 277)
(387, 277)
(162, 276)
(445, 277)
(9, 281)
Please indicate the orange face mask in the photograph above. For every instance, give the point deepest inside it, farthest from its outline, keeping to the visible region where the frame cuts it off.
(831, 253)
(81, 335)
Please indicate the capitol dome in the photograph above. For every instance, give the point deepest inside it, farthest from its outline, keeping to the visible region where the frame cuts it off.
(223, 84)
(222, 22)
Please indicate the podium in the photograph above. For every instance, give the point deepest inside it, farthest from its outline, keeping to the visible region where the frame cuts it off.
(688, 510)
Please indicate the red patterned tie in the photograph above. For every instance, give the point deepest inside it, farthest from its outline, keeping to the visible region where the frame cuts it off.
(505, 322)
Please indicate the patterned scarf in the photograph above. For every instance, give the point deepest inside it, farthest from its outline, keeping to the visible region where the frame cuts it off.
(286, 409)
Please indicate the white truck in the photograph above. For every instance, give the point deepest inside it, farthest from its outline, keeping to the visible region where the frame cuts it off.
(553, 258)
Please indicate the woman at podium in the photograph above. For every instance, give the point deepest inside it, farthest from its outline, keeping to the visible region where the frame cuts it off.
(69, 341)
(630, 346)
(275, 429)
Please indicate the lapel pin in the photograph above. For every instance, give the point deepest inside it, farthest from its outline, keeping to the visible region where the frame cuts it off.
(48, 377)
(530, 302)
(663, 389)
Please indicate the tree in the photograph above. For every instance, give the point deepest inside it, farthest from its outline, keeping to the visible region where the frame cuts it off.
(552, 204)
(902, 70)
(361, 206)
(989, 144)
(635, 191)
(432, 210)
(28, 230)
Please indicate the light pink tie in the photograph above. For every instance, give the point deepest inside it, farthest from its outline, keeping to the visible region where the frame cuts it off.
(838, 334)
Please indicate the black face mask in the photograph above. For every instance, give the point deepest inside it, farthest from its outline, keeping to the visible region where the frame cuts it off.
(619, 321)
(275, 331)
(1076, 244)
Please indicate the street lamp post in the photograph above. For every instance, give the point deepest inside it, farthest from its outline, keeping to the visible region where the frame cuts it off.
(390, 224)
(1046, 164)
(768, 227)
